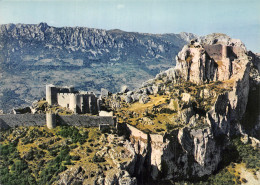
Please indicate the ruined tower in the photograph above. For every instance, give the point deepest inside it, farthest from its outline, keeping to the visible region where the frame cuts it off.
(50, 120)
(51, 94)
(73, 102)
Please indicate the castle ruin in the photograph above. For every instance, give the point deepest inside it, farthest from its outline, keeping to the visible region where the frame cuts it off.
(77, 101)
(221, 52)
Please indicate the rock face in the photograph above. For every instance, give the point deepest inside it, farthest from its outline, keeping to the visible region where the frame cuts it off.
(181, 154)
(34, 55)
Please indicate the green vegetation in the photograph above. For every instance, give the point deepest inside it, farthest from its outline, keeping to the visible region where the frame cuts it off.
(37, 155)
(223, 177)
(73, 133)
(21, 169)
(247, 154)
(49, 174)
(13, 169)
(34, 134)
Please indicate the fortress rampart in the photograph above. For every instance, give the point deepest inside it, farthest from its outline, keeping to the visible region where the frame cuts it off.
(13, 120)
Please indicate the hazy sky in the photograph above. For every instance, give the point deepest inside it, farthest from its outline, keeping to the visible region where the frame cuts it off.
(237, 18)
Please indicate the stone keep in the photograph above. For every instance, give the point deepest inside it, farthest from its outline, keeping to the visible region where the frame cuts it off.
(78, 102)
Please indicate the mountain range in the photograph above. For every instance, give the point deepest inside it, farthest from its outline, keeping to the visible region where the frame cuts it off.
(33, 55)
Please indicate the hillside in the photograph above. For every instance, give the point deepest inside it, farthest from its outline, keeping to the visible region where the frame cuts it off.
(87, 58)
(40, 156)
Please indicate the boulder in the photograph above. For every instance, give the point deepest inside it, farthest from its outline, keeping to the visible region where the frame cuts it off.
(186, 97)
(186, 114)
(174, 105)
(124, 89)
(74, 175)
(105, 113)
(129, 93)
(128, 99)
(135, 97)
(144, 99)
(147, 121)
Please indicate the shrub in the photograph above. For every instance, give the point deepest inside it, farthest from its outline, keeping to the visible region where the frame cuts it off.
(55, 166)
(19, 173)
(248, 154)
(43, 146)
(73, 133)
(167, 111)
(170, 126)
(105, 130)
(75, 158)
(98, 159)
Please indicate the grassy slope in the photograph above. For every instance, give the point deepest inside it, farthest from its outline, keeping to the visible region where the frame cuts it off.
(46, 153)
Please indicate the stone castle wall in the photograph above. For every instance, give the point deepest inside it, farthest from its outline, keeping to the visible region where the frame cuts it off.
(13, 120)
(214, 51)
(219, 52)
(86, 121)
(51, 94)
(74, 100)
(238, 51)
(64, 99)
(136, 132)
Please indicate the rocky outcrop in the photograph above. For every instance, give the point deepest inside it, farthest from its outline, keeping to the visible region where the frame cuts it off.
(139, 141)
(179, 155)
(77, 175)
(196, 149)
(201, 145)
(202, 62)
(72, 176)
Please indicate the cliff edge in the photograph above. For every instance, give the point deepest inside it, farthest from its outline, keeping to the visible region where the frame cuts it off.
(187, 115)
